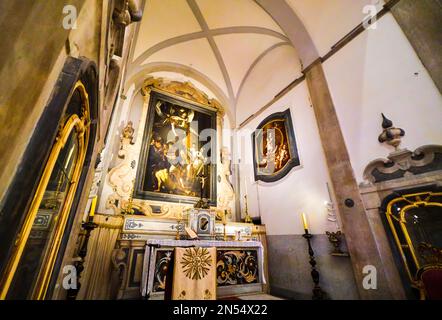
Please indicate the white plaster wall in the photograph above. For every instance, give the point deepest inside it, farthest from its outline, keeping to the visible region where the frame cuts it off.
(304, 188)
(380, 72)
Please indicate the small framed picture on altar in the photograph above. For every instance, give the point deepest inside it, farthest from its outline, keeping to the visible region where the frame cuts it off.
(274, 147)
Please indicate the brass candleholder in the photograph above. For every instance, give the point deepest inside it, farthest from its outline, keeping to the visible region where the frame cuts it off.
(247, 218)
(178, 227)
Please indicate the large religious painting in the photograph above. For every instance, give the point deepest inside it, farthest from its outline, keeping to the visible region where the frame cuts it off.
(274, 147)
(178, 158)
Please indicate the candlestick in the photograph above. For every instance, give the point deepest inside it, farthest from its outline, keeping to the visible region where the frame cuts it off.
(304, 222)
(247, 218)
(318, 294)
(88, 226)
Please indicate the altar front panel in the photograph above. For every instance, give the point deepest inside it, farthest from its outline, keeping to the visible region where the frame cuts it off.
(129, 254)
(239, 266)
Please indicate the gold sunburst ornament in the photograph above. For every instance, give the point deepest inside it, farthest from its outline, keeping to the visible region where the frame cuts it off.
(196, 263)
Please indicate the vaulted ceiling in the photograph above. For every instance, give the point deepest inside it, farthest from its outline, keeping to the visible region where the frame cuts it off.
(241, 52)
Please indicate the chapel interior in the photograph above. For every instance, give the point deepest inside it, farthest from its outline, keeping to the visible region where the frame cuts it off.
(221, 150)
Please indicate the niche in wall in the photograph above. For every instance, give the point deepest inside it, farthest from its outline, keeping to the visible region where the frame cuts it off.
(41, 203)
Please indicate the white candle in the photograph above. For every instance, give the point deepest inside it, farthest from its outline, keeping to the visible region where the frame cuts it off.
(304, 222)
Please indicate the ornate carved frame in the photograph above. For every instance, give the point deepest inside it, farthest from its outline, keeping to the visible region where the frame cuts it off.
(186, 95)
(294, 156)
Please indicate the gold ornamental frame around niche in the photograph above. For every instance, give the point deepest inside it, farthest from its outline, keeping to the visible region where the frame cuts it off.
(182, 90)
(81, 125)
(414, 200)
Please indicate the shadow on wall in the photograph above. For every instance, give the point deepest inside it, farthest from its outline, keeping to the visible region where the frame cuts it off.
(289, 269)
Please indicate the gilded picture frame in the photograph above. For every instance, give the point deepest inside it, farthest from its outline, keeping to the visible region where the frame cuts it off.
(275, 151)
(194, 128)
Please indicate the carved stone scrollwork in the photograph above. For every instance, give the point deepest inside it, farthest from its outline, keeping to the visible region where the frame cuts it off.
(140, 206)
(121, 177)
(112, 203)
(119, 259)
(404, 163)
(166, 210)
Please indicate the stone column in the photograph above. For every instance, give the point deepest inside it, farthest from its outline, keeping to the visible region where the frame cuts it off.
(361, 243)
(421, 21)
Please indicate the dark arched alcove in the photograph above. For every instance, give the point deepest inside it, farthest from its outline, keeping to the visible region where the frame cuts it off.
(65, 106)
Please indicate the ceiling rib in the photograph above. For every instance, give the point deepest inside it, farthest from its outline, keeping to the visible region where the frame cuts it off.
(252, 66)
(201, 34)
(292, 26)
(199, 17)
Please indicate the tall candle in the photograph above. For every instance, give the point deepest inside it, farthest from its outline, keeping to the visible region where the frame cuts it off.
(304, 222)
(93, 205)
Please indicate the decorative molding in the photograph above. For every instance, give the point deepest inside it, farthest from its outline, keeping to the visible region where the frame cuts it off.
(138, 74)
(403, 163)
(185, 90)
(390, 135)
(120, 177)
